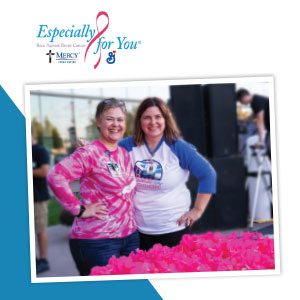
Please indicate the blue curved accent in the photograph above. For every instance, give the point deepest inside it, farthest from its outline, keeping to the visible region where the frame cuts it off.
(14, 250)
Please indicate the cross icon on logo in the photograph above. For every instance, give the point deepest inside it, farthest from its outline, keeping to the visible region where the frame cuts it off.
(50, 55)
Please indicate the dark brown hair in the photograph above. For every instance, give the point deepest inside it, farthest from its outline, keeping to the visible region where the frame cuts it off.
(241, 93)
(171, 131)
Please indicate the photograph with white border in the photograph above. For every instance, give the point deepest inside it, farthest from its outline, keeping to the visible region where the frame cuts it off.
(224, 127)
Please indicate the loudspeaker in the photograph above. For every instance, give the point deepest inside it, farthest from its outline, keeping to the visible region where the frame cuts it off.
(188, 107)
(231, 199)
(208, 219)
(221, 115)
(207, 117)
(228, 208)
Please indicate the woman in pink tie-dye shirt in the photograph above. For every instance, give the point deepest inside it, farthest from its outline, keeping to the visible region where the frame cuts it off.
(104, 223)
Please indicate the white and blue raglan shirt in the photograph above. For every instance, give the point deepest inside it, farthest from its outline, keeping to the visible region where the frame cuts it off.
(162, 196)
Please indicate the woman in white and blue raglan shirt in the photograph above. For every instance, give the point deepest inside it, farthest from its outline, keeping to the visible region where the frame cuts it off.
(162, 161)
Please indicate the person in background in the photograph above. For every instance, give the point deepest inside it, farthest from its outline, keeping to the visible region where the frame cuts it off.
(40, 169)
(104, 225)
(162, 162)
(261, 111)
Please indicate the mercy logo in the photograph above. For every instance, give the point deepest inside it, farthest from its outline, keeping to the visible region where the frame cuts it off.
(50, 55)
(63, 57)
(67, 57)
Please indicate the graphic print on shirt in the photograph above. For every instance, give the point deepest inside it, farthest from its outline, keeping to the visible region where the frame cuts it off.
(148, 173)
(148, 168)
(114, 169)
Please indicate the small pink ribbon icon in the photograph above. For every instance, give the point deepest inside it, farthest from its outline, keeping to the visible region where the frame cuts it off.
(98, 35)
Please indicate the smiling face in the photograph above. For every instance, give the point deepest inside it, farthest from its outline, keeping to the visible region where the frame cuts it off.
(111, 124)
(153, 123)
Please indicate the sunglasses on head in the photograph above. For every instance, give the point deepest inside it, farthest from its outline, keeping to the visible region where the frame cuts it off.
(119, 102)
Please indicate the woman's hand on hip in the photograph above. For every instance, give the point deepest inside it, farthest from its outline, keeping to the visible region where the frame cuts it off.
(190, 217)
(96, 210)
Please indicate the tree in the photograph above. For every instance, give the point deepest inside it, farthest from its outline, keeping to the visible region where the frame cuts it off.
(57, 140)
(48, 128)
(129, 122)
(38, 131)
(48, 135)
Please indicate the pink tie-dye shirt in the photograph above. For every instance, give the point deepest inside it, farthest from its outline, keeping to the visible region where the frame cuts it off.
(105, 177)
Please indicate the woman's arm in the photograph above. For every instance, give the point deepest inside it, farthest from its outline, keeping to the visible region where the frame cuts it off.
(61, 175)
(196, 212)
(60, 178)
(190, 159)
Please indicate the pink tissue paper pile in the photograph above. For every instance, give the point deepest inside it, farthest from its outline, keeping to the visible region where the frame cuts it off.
(198, 253)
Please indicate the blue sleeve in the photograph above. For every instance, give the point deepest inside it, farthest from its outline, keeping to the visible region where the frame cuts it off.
(127, 143)
(191, 160)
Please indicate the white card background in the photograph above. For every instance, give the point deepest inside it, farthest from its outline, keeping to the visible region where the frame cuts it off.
(183, 40)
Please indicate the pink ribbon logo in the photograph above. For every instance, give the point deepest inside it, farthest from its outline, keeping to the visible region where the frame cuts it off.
(98, 35)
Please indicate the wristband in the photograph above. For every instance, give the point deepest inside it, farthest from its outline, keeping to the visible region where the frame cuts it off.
(81, 211)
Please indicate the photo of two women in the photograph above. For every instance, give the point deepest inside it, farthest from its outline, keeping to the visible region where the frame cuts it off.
(118, 171)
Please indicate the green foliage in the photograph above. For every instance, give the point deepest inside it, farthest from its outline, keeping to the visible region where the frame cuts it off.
(47, 135)
(57, 140)
(38, 131)
(54, 211)
(130, 122)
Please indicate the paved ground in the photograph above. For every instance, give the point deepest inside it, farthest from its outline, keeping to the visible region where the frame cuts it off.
(59, 256)
(60, 259)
